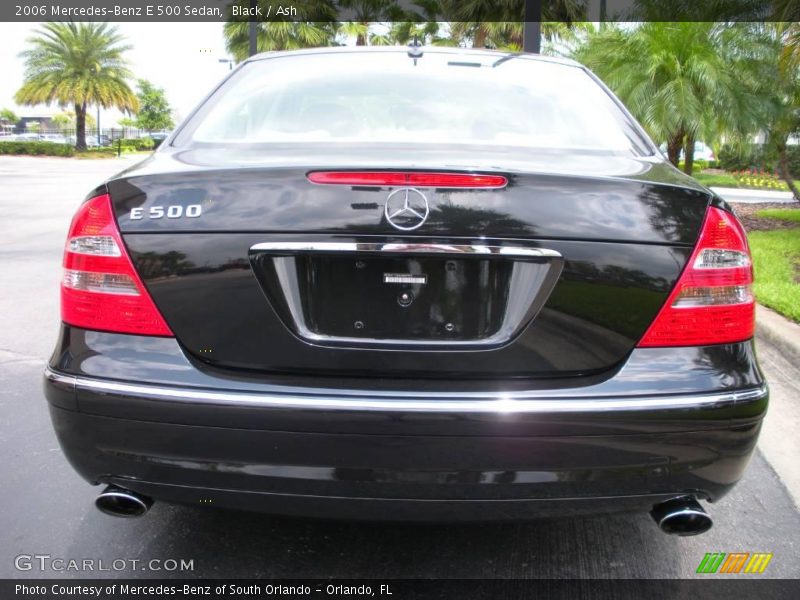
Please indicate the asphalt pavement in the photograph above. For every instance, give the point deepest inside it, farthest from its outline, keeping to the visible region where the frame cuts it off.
(48, 510)
(753, 196)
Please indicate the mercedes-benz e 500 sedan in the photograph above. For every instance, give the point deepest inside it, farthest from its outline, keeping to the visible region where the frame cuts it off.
(380, 284)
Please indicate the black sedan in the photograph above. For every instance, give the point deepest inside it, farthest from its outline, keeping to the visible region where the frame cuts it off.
(363, 283)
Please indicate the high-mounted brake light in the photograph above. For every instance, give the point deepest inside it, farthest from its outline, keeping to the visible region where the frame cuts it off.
(408, 179)
(100, 288)
(712, 302)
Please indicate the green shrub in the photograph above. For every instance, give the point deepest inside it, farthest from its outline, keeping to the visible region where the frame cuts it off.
(740, 158)
(124, 145)
(698, 165)
(36, 148)
(733, 159)
(145, 143)
(754, 156)
(135, 144)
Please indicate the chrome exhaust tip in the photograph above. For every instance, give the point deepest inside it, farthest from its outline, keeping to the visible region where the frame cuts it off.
(681, 516)
(119, 502)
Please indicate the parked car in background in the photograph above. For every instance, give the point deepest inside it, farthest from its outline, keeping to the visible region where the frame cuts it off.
(27, 137)
(158, 137)
(92, 141)
(54, 138)
(444, 284)
(702, 152)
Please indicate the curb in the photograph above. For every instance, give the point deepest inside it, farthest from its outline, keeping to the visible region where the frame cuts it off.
(778, 331)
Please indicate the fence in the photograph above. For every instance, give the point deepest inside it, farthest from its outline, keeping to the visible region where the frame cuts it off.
(106, 134)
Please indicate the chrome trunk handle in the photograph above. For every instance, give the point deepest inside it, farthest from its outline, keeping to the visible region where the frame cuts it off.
(406, 248)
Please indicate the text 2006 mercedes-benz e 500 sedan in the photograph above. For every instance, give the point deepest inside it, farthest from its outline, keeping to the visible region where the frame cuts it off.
(398, 284)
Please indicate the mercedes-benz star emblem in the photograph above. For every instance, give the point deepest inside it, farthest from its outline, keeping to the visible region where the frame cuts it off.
(406, 209)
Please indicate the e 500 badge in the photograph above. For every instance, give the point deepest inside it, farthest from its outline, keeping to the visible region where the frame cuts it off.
(174, 211)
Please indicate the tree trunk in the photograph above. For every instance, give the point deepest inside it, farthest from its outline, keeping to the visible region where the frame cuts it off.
(688, 155)
(674, 145)
(783, 167)
(80, 126)
(479, 41)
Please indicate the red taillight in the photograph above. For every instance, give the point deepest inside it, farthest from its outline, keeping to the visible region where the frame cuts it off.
(408, 179)
(712, 303)
(101, 289)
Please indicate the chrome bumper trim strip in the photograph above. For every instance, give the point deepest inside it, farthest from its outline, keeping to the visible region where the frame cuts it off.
(495, 404)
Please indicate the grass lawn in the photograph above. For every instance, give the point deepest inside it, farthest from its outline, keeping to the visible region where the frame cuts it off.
(716, 179)
(750, 182)
(783, 214)
(92, 154)
(776, 262)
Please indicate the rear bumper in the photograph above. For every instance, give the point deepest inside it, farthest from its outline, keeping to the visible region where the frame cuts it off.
(403, 455)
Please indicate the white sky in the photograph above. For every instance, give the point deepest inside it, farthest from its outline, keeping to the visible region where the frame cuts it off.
(183, 58)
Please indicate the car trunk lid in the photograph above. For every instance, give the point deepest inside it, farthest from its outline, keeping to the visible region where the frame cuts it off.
(557, 274)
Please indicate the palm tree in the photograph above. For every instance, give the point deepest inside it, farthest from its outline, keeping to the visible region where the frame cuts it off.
(367, 12)
(77, 64)
(790, 56)
(426, 33)
(562, 39)
(784, 119)
(277, 35)
(684, 81)
(789, 124)
(785, 124)
(717, 11)
(499, 23)
(420, 23)
(281, 33)
(787, 12)
(357, 29)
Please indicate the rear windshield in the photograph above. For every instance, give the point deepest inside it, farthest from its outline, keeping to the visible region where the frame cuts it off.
(445, 98)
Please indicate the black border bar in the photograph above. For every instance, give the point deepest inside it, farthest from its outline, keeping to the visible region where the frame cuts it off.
(709, 587)
(525, 11)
